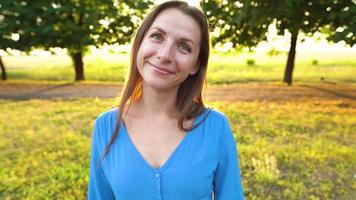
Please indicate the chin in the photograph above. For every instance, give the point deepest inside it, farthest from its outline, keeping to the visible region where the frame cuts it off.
(160, 85)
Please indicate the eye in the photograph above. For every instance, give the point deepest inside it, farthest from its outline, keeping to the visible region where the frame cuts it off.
(184, 47)
(156, 36)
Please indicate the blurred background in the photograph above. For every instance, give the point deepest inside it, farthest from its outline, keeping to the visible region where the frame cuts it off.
(283, 71)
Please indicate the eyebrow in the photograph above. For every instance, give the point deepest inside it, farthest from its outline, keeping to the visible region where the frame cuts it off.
(183, 39)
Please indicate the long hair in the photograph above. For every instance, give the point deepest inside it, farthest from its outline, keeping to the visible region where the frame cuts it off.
(189, 97)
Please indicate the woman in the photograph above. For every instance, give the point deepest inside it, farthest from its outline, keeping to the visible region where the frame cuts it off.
(161, 142)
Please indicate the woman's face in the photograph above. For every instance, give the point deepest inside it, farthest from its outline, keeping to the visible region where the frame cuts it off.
(169, 51)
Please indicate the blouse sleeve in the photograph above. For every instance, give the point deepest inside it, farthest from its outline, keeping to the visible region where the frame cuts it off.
(227, 180)
(99, 187)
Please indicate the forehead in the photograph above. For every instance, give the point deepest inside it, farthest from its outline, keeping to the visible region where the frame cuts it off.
(178, 24)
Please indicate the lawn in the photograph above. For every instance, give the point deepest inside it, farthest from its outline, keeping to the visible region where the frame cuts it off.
(287, 149)
(337, 67)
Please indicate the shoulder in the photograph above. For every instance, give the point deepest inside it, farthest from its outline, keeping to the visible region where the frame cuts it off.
(105, 125)
(214, 116)
(106, 117)
(216, 130)
(222, 132)
(213, 122)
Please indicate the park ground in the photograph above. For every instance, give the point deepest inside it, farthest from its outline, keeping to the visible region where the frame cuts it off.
(225, 92)
(294, 142)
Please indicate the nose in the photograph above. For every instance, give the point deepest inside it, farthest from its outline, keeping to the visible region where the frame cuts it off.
(164, 52)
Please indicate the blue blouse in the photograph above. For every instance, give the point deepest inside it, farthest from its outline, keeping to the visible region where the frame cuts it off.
(205, 163)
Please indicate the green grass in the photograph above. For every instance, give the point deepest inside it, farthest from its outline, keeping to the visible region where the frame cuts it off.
(223, 68)
(287, 150)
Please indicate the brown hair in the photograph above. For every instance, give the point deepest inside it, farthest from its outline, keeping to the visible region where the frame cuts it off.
(189, 98)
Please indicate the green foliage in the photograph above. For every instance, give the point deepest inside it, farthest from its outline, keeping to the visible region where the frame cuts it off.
(287, 150)
(238, 22)
(72, 24)
(246, 22)
(10, 25)
(342, 16)
(315, 62)
(273, 52)
(250, 62)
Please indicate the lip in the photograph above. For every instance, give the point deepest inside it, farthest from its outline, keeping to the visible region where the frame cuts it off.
(160, 69)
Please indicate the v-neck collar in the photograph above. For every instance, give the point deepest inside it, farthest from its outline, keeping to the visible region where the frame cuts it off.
(171, 156)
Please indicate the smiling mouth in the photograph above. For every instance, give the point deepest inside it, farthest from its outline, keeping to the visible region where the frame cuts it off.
(161, 70)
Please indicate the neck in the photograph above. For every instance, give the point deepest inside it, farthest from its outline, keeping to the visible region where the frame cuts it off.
(155, 103)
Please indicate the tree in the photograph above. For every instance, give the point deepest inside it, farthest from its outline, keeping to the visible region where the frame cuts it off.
(11, 29)
(76, 24)
(3, 70)
(20, 27)
(342, 25)
(246, 22)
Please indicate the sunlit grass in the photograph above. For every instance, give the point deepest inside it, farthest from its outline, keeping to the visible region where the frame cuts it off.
(287, 150)
(223, 68)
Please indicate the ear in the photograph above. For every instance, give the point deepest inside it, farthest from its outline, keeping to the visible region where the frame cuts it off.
(195, 69)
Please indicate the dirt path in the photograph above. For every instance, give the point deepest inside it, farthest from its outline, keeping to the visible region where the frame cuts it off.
(233, 92)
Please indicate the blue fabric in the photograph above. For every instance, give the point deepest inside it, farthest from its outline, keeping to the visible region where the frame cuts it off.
(205, 162)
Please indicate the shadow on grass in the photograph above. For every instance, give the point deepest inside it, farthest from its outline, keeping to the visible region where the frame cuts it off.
(36, 93)
(333, 92)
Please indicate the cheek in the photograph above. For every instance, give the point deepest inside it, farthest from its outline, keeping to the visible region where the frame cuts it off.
(139, 59)
(146, 49)
(141, 54)
(186, 63)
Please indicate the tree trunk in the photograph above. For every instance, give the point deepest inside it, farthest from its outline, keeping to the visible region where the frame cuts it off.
(288, 74)
(77, 58)
(3, 70)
